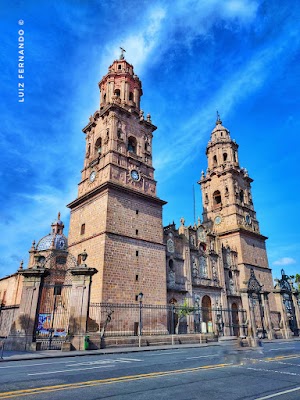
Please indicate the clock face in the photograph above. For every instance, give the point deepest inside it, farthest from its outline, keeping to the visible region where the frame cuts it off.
(248, 219)
(135, 175)
(92, 176)
(218, 220)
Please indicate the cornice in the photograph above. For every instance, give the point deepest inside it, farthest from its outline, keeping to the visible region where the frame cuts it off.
(117, 187)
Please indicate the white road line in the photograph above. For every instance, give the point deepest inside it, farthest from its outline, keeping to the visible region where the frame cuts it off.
(278, 394)
(118, 360)
(210, 355)
(68, 370)
(287, 348)
(162, 354)
(274, 371)
(31, 365)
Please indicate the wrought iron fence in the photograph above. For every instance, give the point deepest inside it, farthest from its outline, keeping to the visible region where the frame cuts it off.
(139, 319)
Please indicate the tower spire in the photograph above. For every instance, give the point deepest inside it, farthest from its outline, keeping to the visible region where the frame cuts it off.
(218, 121)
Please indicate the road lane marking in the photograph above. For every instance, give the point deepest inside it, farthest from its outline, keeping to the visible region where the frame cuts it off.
(162, 354)
(210, 355)
(31, 365)
(282, 357)
(47, 389)
(68, 370)
(280, 349)
(274, 371)
(118, 360)
(270, 396)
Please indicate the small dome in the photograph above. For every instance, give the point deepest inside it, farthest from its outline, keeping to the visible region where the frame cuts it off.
(60, 242)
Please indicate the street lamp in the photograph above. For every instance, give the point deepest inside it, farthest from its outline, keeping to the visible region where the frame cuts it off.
(140, 298)
(197, 302)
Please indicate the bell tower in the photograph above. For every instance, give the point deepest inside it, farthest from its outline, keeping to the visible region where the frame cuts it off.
(228, 208)
(117, 217)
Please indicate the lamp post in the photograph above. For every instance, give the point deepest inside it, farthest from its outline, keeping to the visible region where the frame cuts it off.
(140, 297)
(197, 302)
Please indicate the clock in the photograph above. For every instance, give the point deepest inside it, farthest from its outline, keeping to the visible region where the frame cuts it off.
(135, 175)
(218, 220)
(248, 219)
(93, 176)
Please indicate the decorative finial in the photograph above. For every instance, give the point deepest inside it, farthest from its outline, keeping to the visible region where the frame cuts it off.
(122, 53)
(182, 221)
(21, 264)
(58, 215)
(218, 122)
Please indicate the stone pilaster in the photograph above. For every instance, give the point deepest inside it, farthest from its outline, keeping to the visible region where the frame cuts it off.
(267, 316)
(22, 334)
(79, 303)
(295, 297)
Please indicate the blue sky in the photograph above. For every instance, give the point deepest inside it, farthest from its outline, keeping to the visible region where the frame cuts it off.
(194, 57)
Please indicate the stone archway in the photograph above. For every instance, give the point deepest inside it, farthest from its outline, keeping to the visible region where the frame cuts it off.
(206, 314)
(54, 309)
(235, 319)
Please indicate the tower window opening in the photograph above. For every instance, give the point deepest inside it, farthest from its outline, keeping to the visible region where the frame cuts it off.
(241, 195)
(119, 66)
(136, 278)
(217, 197)
(234, 156)
(104, 98)
(215, 161)
(117, 92)
(130, 96)
(98, 146)
(82, 229)
(57, 289)
(132, 144)
(224, 156)
(137, 253)
(119, 133)
(79, 259)
(171, 264)
(136, 232)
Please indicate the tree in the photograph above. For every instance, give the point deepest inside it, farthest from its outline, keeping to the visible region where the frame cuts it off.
(183, 311)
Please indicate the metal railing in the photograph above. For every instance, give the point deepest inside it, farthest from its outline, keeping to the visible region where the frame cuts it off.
(139, 319)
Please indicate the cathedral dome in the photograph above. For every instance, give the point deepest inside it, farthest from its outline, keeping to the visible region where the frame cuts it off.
(56, 241)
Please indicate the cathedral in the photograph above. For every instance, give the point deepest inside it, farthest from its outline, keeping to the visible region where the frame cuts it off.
(120, 273)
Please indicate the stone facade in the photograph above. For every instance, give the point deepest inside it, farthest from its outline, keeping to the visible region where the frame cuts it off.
(217, 269)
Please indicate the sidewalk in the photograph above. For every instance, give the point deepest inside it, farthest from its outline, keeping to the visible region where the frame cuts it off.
(43, 354)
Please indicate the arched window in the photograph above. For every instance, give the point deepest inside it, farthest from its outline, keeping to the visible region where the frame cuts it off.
(215, 161)
(130, 96)
(117, 92)
(224, 156)
(206, 311)
(98, 146)
(104, 97)
(217, 198)
(132, 144)
(82, 229)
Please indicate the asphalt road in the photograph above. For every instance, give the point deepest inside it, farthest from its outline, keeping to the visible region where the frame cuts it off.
(271, 372)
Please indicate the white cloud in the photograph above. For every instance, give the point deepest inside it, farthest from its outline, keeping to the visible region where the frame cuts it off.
(285, 261)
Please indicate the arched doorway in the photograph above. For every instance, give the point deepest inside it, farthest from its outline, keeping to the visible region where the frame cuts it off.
(235, 319)
(206, 315)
